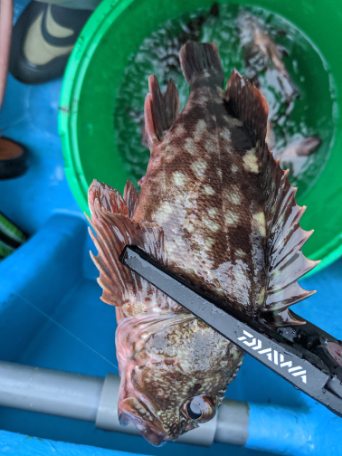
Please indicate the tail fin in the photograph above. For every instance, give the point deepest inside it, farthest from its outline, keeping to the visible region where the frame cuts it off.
(200, 59)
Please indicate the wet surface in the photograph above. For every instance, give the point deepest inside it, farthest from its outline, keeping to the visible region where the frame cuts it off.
(295, 112)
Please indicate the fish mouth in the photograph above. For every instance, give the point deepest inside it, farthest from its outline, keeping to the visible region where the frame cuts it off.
(134, 411)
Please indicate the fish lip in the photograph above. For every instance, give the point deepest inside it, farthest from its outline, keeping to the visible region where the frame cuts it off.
(153, 431)
(155, 438)
(155, 435)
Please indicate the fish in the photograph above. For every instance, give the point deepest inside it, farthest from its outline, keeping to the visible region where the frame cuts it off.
(297, 146)
(294, 156)
(300, 147)
(215, 209)
(262, 54)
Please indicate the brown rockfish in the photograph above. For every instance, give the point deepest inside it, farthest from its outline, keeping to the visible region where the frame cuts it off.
(263, 54)
(216, 209)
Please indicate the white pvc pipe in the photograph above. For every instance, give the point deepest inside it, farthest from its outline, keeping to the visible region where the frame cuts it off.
(95, 399)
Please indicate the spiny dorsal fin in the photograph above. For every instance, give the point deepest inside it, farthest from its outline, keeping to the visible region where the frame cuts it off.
(286, 262)
(160, 110)
(112, 231)
(107, 198)
(131, 197)
(247, 103)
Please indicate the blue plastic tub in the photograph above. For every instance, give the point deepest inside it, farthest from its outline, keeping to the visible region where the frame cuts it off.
(51, 316)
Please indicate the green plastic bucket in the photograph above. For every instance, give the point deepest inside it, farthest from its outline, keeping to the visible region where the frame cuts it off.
(96, 70)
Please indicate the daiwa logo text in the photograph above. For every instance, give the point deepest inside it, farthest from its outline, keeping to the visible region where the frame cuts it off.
(273, 355)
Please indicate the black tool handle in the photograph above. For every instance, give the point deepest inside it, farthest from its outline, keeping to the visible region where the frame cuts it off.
(287, 352)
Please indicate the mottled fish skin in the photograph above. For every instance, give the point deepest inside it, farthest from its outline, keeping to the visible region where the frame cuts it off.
(202, 192)
(262, 53)
(216, 209)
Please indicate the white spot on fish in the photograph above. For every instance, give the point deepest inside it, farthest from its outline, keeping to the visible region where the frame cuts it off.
(188, 226)
(199, 167)
(208, 190)
(180, 130)
(179, 178)
(234, 168)
(163, 214)
(200, 129)
(209, 242)
(231, 218)
(190, 220)
(240, 253)
(175, 246)
(213, 226)
(260, 223)
(212, 212)
(210, 145)
(250, 161)
(225, 134)
(233, 196)
(190, 146)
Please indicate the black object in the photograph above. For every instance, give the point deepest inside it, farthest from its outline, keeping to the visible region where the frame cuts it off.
(13, 159)
(42, 40)
(306, 356)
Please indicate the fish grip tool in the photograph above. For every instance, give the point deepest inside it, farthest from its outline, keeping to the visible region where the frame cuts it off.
(304, 355)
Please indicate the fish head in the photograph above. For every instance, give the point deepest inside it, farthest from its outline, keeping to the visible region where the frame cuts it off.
(173, 376)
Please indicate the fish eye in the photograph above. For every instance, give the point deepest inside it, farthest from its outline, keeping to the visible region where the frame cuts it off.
(193, 410)
(198, 408)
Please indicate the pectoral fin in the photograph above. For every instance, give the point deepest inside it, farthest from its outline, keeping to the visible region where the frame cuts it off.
(112, 230)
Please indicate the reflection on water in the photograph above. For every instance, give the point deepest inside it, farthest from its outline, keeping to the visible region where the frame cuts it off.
(291, 81)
